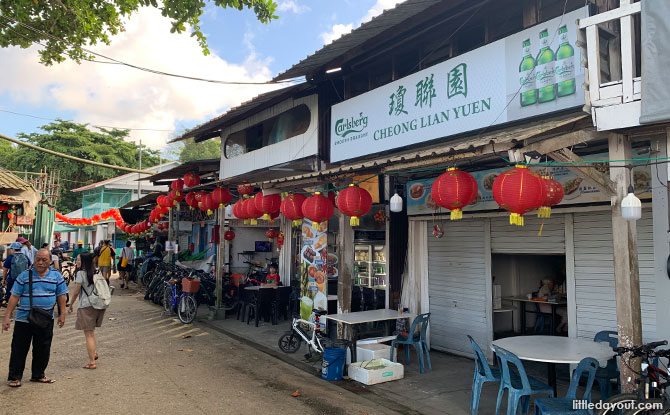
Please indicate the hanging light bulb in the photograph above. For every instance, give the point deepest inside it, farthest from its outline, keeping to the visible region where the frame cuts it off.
(396, 203)
(631, 207)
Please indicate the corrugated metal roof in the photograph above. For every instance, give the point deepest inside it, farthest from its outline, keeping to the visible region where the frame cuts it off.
(235, 114)
(357, 37)
(200, 166)
(122, 177)
(11, 181)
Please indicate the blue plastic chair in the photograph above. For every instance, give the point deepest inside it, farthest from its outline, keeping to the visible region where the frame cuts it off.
(483, 374)
(604, 375)
(540, 319)
(564, 406)
(416, 340)
(519, 388)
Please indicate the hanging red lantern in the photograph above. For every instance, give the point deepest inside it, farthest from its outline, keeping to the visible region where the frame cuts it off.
(271, 234)
(164, 210)
(454, 190)
(204, 202)
(209, 203)
(318, 209)
(274, 216)
(291, 208)
(190, 200)
(164, 201)
(238, 210)
(252, 213)
(229, 235)
(245, 189)
(280, 241)
(191, 179)
(519, 190)
(177, 186)
(355, 202)
(554, 195)
(198, 198)
(267, 204)
(221, 196)
(175, 197)
(10, 213)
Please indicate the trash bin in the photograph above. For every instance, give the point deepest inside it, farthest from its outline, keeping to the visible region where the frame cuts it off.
(333, 363)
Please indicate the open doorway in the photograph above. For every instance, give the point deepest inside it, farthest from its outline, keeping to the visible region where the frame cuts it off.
(529, 295)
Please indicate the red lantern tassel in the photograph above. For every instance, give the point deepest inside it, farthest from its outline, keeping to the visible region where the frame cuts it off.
(315, 225)
(456, 214)
(516, 219)
(354, 221)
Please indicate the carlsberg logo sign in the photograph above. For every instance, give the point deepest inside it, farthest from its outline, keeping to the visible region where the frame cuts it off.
(346, 126)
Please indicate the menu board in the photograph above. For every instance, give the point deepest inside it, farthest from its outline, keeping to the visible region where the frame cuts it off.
(420, 201)
(313, 268)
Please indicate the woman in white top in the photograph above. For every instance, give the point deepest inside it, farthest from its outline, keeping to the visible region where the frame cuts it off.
(127, 256)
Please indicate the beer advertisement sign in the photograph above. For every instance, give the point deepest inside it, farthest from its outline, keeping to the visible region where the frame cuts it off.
(530, 73)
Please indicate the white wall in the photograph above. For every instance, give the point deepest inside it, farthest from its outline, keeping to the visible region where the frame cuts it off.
(244, 241)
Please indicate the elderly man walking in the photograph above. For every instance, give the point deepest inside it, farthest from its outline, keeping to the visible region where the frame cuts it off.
(48, 288)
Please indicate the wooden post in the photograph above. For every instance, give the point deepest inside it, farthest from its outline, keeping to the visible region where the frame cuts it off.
(626, 269)
(345, 260)
(529, 13)
(220, 254)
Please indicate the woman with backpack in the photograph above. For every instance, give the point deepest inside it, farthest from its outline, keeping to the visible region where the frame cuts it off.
(88, 317)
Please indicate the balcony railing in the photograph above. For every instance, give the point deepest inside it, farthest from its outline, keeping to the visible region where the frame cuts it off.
(608, 41)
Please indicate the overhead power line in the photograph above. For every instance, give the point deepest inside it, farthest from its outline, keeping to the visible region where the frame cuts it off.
(92, 125)
(69, 157)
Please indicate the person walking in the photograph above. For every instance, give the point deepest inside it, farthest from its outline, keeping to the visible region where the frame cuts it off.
(13, 266)
(88, 318)
(48, 289)
(28, 249)
(126, 264)
(104, 260)
(78, 250)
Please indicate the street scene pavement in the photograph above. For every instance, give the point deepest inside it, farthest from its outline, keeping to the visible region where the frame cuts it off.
(151, 363)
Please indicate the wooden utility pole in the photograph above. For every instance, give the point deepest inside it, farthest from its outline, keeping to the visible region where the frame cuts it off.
(345, 260)
(626, 269)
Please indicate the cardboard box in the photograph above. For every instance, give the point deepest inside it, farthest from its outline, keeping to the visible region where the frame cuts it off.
(372, 352)
(376, 371)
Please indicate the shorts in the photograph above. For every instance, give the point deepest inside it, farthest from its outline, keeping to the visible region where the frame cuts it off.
(88, 318)
(105, 269)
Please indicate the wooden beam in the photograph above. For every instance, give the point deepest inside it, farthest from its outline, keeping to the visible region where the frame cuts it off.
(626, 268)
(624, 10)
(345, 257)
(529, 13)
(562, 141)
(603, 183)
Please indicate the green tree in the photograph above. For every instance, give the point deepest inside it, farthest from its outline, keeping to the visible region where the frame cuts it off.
(64, 27)
(209, 149)
(7, 150)
(106, 146)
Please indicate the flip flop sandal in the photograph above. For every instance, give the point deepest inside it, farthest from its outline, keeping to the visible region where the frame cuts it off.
(43, 380)
(14, 384)
(96, 355)
(90, 366)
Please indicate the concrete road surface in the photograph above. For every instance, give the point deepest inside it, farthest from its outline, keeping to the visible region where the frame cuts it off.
(153, 364)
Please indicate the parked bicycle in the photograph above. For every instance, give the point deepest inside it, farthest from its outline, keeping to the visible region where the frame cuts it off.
(176, 300)
(68, 270)
(290, 341)
(650, 387)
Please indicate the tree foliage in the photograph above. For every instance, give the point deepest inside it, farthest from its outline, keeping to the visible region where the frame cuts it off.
(209, 149)
(67, 27)
(106, 146)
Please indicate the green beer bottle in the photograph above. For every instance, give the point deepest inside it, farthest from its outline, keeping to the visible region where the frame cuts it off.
(528, 92)
(565, 65)
(545, 72)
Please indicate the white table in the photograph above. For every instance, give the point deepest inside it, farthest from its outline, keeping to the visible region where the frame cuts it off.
(369, 316)
(555, 350)
(258, 287)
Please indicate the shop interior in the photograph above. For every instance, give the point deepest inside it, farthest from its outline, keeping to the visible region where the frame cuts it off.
(520, 277)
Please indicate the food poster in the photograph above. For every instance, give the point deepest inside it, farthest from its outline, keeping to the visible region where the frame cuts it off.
(576, 190)
(313, 268)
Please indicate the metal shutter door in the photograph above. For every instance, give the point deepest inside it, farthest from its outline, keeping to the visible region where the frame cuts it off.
(457, 286)
(510, 239)
(594, 274)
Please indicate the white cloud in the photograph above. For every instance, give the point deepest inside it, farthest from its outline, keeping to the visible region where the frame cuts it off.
(120, 96)
(338, 30)
(293, 6)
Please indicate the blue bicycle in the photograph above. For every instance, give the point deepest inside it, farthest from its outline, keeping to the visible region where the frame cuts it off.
(177, 300)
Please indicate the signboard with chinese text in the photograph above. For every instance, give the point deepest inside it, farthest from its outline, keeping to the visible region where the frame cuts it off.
(23, 220)
(527, 74)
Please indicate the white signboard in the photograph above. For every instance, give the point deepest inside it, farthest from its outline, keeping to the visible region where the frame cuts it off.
(530, 73)
(171, 246)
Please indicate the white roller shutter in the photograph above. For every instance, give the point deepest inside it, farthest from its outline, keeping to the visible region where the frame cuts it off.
(509, 239)
(457, 286)
(594, 274)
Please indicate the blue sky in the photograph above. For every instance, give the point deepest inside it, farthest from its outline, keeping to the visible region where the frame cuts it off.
(242, 49)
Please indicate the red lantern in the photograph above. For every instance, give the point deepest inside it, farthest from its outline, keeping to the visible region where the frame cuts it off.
(245, 189)
(454, 190)
(355, 202)
(164, 201)
(229, 235)
(238, 210)
(268, 204)
(271, 234)
(205, 202)
(198, 198)
(317, 209)
(519, 190)
(175, 197)
(252, 213)
(191, 179)
(209, 203)
(280, 240)
(274, 216)
(164, 210)
(177, 186)
(191, 201)
(291, 208)
(221, 196)
(554, 195)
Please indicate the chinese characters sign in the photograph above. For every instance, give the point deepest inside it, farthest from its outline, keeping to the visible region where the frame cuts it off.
(491, 85)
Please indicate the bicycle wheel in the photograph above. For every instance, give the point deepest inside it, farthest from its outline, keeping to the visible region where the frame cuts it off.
(289, 342)
(187, 309)
(616, 402)
(645, 408)
(67, 277)
(167, 300)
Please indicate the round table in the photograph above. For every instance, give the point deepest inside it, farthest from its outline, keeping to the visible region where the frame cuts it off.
(555, 350)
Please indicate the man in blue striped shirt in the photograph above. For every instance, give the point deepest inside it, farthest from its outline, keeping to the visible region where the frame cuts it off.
(48, 289)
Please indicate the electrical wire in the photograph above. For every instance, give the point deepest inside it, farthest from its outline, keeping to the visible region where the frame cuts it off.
(92, 125)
